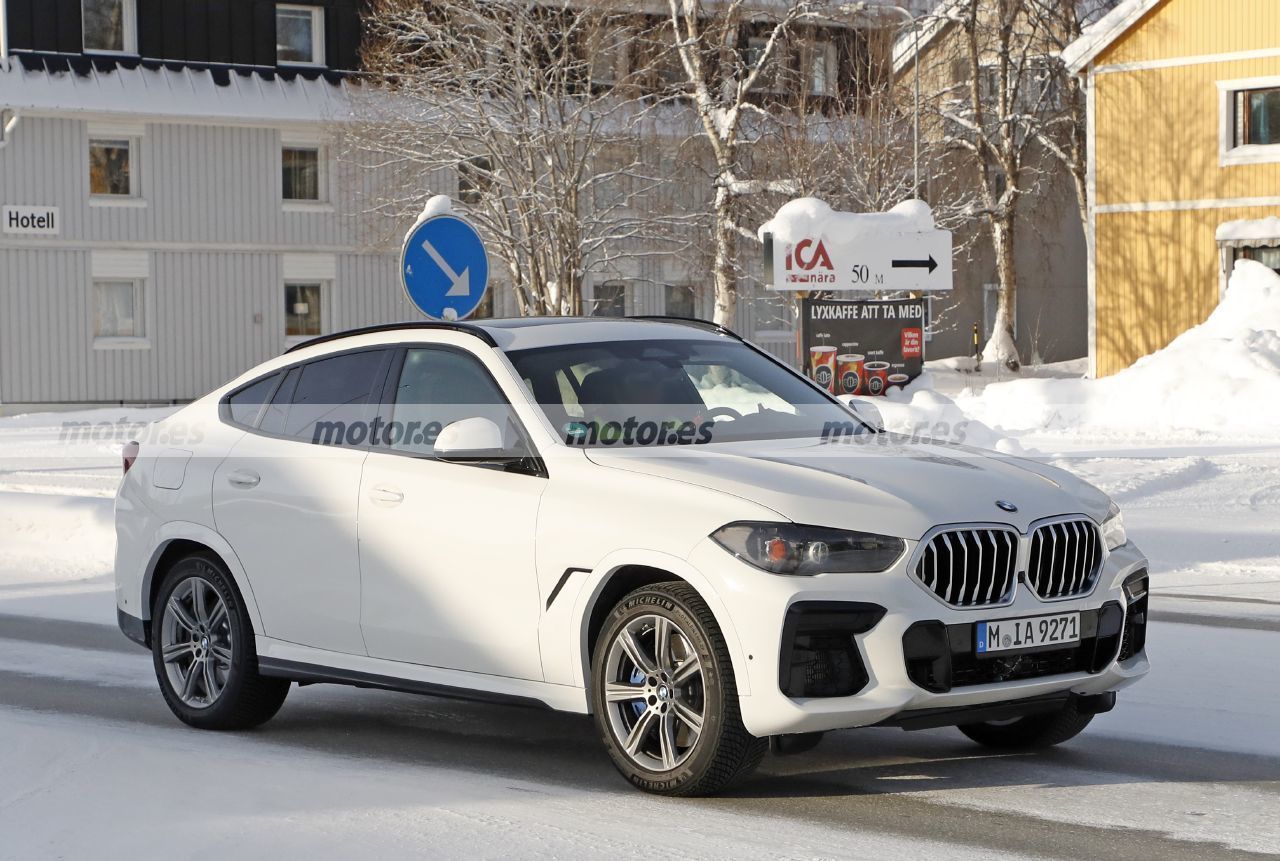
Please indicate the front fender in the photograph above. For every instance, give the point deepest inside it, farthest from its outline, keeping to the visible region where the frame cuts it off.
(591, 586)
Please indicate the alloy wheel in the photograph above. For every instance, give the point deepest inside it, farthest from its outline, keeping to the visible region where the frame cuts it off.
(196, 645)
(654, 692)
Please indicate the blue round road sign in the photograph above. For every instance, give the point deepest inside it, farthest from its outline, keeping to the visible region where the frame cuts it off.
(445, 268)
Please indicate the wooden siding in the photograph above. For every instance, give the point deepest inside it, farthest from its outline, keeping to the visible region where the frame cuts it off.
(1195, 28)
(1158, 132)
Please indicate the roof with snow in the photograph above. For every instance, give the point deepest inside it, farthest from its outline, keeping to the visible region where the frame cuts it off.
(1098, 37)
(60, 83)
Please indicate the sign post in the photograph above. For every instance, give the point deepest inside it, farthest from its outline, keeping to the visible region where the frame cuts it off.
(444, 265)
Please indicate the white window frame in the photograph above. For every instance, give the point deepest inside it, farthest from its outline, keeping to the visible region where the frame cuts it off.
(131, 266)
(991, 293)
(129, 39)
(317, 34)
(824, 50)
(131, 133)
(319, 269)
(1229, 154)
(324, 203)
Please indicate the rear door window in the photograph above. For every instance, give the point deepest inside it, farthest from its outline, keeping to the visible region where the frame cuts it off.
(245, 405)
(328, 401)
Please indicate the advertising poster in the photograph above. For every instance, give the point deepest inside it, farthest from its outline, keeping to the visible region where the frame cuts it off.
(862, 347)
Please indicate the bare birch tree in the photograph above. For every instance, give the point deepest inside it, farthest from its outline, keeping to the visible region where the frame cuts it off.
(999, 97)
(530, 106)
(727, 52)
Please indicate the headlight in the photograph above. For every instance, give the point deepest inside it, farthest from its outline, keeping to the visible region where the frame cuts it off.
(789, 548)
(1113, 528)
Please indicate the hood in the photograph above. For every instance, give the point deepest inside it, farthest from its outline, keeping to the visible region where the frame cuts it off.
(875, 483)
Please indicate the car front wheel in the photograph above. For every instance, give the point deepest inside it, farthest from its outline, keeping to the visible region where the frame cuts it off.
(203, 650)
(664, 695)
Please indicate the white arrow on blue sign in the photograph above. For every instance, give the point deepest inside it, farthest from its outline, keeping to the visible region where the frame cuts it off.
(445, 268)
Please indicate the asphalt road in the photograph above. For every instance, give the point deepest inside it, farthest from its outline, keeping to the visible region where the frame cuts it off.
(1112, 793)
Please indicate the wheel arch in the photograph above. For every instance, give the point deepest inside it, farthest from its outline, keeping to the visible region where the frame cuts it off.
(618, 576)
(177, 540)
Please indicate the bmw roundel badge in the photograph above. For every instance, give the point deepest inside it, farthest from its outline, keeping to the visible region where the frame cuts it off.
(1006, 506)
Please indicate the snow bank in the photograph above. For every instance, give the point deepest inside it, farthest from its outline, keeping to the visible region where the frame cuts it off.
(1222, 376)
(808, 216)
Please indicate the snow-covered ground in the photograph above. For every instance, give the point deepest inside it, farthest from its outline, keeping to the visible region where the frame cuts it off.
(1188, 442)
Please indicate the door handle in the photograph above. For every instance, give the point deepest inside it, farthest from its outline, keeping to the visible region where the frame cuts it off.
(245, 478)
(384, 495)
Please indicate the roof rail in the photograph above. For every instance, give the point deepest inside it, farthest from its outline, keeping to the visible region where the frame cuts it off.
(465, 328)
(689, 321)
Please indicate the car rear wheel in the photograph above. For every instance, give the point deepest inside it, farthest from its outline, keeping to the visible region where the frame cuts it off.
(664, 695)
(203, 650)
(1033, 732)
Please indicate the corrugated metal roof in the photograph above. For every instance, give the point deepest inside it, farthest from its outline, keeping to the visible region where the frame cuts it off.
(155, 88)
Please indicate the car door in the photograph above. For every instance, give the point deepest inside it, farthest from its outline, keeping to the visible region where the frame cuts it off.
(447, 549)
(286, 499)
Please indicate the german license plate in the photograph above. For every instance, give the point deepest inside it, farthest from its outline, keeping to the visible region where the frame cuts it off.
(1008, 635)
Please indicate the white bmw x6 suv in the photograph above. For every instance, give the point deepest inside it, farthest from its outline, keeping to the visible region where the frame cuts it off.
(652, 522)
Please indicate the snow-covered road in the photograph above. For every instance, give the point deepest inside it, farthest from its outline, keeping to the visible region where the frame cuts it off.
(93, 764)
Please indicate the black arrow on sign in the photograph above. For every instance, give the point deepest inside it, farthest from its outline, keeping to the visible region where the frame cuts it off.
(929, 264)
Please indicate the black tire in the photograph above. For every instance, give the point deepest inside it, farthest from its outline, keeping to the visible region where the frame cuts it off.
(723, 752)
(246, 698)
(1034, 732)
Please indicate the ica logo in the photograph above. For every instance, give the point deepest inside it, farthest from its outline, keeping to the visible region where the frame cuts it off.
(808, 254)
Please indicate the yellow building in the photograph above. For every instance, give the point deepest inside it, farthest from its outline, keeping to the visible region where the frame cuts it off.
(1184, 142)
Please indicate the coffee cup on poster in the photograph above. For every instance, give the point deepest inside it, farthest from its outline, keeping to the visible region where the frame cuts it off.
(877, 377)
(823, 360)
(898, 380)
(849, 372)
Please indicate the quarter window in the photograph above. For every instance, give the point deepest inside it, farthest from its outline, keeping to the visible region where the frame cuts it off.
(118, 309)
(244, 405)
(1257, 117)
(109, 26)
(300, 179)
(300, 35)
(111, 168)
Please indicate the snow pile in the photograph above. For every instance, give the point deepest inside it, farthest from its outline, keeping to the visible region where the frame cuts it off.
(1221, 376)
(927, 415)
(810, 217)
(1249, 229)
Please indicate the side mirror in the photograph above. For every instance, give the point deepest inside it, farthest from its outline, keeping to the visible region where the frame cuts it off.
(866, 410)
(471, 439)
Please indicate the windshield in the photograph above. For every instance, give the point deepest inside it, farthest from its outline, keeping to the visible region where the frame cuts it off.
(674, 392)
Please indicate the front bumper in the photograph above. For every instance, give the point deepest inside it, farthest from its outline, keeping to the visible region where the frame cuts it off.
(758, 604)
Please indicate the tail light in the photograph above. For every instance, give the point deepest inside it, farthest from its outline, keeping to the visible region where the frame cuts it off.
(129, 455)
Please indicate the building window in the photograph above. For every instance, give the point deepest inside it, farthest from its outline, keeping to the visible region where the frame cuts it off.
(822, 69)
(474, 179)
(302, 317)
(680, 301)
(118, 309)
(111, 168)
(1268, 256)
(299, 35)
(990, 309)
(610, 300)
(1258, 117)
(301, 179)
(770, 80)
(109, 26)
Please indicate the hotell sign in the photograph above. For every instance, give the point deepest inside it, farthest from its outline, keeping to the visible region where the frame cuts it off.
(31, 220)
